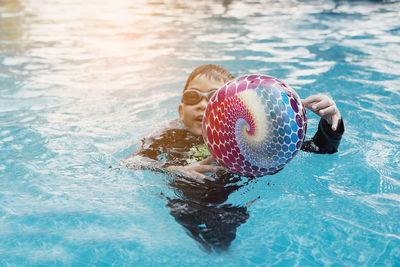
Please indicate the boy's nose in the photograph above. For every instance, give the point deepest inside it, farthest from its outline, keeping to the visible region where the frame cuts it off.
(203, 103)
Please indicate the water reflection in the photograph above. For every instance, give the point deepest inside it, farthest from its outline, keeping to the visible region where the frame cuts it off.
(82, 81)
(11, 18)
(202, 210)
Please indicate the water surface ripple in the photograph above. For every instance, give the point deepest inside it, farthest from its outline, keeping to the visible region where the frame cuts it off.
(82, 81)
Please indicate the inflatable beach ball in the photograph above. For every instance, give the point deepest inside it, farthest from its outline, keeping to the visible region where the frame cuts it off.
(254, 125)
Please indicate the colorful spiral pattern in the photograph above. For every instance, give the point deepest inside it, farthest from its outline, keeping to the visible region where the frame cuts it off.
(254, 125)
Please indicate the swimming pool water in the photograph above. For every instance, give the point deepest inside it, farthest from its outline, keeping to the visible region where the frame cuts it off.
(82, 81)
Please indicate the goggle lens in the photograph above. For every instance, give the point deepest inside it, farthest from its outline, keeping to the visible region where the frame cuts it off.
(193, 97)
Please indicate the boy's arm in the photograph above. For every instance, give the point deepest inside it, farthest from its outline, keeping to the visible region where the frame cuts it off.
(330, 128)
(158, 152)
(198, 169)
(325, 141)
(149, 155)
(145, 157)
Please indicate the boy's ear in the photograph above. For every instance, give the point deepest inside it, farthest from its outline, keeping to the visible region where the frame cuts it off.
(180, 110)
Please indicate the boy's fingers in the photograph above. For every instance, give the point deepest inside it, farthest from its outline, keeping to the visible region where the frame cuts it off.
(207, 168)
(201, 177)
(324, 103)
(207, 161)
(327, 110)
(317, 102)
(195, 172)
(193, 175)
(311, 99)
(335, 121)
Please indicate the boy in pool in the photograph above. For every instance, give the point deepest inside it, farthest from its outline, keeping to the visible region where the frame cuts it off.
(179, 146)
(178, 149)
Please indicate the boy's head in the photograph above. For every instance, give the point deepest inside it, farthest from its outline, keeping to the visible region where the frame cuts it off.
(210, 71)
(200, 86)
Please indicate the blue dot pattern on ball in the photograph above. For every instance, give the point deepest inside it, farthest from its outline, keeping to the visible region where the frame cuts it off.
(264, 125)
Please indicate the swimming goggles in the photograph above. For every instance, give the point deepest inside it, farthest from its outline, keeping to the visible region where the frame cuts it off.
(193, 96)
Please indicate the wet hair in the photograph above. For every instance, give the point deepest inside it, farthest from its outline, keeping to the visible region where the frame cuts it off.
(211, 71)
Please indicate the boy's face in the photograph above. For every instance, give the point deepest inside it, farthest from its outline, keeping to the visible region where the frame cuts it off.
(192, 115)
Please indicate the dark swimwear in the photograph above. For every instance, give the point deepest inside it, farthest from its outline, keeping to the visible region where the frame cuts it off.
(199, 206)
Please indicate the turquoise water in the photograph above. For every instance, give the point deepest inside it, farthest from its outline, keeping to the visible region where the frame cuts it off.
(82, 81)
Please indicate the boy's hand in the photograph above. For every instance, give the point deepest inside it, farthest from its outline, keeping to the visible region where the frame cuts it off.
(324, 107)
(197, 170)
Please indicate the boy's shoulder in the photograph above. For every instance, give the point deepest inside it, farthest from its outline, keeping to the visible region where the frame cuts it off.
(171, 139)
(171, 133)
(168, 137)
(167, 126)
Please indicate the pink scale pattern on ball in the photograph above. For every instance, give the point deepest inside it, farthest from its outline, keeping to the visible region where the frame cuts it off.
(254, 125)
